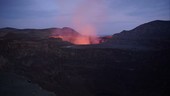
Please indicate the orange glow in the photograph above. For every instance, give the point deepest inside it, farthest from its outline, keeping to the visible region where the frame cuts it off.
(80, 40)
(86, 40)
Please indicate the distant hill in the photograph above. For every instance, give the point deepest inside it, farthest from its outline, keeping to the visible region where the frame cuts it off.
(151, 35)
(66, 34)
(152, 30)
(31, 34)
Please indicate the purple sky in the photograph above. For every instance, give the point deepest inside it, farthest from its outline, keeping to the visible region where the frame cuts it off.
(106, 16)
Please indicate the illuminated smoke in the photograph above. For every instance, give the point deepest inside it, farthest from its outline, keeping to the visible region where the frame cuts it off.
(83, 18)
(85, 14)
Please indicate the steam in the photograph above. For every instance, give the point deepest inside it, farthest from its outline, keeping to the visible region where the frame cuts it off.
(84, 18)
(85, 14)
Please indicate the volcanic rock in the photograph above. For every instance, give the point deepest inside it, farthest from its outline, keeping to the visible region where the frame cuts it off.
(152, 35)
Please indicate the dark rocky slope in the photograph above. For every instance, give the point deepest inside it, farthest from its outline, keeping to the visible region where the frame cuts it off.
(88, 72)
(152, 35)
(34, 34)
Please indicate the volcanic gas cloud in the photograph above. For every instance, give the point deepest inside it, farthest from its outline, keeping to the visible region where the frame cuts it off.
(84, 17)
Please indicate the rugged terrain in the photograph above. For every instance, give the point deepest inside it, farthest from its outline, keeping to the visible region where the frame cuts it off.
(152, 35)
(91, 70)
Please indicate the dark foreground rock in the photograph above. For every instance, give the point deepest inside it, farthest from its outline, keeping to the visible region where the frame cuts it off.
(90, 72)
(15, 85)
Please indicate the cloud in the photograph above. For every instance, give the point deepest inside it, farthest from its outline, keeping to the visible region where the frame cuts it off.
(110, 15)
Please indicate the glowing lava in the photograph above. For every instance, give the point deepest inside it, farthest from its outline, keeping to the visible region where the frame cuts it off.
(86, 40)
(79, 40)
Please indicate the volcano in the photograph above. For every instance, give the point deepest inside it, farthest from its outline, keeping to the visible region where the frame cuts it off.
(66, 34)
(44, 57)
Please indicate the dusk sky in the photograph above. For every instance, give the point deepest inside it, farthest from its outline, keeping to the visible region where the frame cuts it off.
(103, 16)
